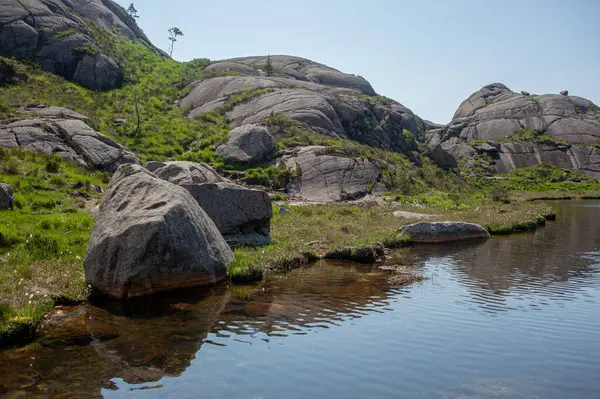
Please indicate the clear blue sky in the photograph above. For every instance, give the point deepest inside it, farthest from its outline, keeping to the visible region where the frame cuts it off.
(427, 54)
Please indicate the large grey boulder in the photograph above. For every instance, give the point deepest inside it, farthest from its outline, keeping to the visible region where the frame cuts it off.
(323, 100)
(184, 172)
(6, 196)
(247, 144)
(71, 139)
(325, 176)
(151, 236)
(242, 215)
(54, 34)
(443, 232)
(495, 113)
(98, 72)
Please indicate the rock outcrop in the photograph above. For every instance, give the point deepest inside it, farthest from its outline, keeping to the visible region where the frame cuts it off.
(324, 176)
(63, 132)
(57, 35)
(247, 144)
(324, 100)
(442, 232)
(512, 130)
(6, 196)
(183, 172)
(151, 236)
(298, 101)
(243, 216)
(299, 69)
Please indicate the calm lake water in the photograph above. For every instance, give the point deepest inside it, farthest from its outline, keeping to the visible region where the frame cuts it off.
(515, 317)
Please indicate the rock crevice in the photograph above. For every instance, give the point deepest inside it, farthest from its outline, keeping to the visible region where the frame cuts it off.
(496, 116)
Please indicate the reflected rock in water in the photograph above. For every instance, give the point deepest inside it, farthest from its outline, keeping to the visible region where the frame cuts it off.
(82, 348)
(544, 260)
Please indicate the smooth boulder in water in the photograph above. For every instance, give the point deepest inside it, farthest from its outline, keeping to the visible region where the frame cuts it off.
(441, 232)
(151, 236)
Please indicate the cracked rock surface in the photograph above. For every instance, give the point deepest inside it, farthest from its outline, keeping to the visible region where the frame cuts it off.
(325, 100)
(324, 176)
(55, 34)
(242, 215)
(495, 112)
(63, 132)
(150, 236)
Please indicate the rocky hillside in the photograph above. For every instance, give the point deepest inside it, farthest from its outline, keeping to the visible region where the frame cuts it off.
(287, 123)
(325, 100)
(61, 36)
(498, 130)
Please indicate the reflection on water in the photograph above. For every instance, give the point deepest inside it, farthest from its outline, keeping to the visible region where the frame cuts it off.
(512, 317)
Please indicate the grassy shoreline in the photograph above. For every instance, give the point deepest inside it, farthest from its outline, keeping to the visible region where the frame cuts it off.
(44, 239)
(304, 235)
(311, 232)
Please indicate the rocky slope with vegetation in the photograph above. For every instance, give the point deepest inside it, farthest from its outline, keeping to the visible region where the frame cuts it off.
(219, 141)
(57, 35)
(497, 130)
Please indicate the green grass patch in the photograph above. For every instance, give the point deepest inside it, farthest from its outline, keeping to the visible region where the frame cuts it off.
(154, 85)
(397, 172)
(382, 100)
(529, 136)
(65, 33)
(270, 176)
(476, 143)
(44, 239)
(242, 270)
(543, 178)
(593, 144)
(295, 240)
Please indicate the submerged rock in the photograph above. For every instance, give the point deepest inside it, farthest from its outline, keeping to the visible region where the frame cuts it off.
(442, 232)
(360, 254)
(6, 196)
(247, 144)
(151, 236)
(242, 215)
